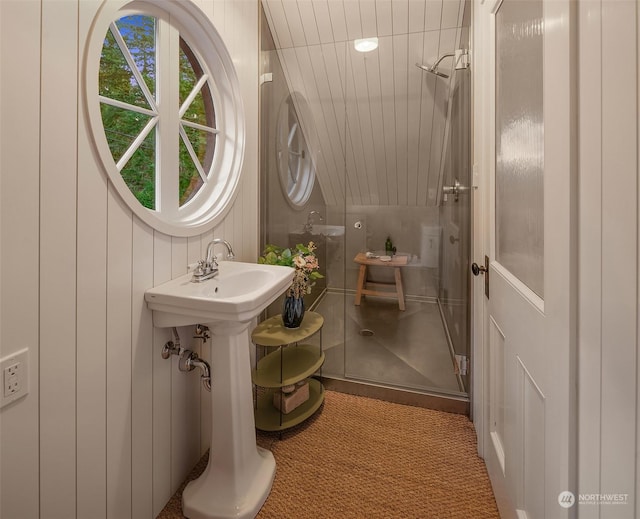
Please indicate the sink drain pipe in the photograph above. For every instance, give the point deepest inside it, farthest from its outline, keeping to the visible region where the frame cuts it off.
(188, 360)
(193, 362)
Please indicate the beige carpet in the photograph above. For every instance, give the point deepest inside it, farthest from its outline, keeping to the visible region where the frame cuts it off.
(364, 458)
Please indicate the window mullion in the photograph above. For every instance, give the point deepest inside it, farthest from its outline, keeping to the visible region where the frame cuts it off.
(126, 53)
(197, 126)
(168, 135)
(137, 142)
(126, 106)
(193, 155)
(192, 95)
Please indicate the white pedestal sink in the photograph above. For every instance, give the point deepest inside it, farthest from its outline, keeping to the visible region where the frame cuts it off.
(239, 474)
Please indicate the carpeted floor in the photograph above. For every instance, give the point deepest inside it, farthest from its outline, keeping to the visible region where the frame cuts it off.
(364, 458)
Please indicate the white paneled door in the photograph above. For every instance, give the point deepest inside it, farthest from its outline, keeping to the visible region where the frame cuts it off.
(529, 408)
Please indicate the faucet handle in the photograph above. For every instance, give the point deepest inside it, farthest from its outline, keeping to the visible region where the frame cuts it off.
(199, 270)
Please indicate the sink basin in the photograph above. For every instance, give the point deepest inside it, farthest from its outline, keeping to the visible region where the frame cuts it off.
(238, 293)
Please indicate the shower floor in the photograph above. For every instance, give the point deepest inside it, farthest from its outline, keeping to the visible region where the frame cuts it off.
(385, 345)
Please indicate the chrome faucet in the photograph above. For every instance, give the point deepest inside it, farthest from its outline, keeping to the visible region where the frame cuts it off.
(208, 267)
(211, 258)
(308, 227)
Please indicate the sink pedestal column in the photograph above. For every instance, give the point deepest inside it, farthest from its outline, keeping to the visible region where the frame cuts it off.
(239, 474)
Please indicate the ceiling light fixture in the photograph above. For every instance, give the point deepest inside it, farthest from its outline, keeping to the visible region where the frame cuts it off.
(366, 44)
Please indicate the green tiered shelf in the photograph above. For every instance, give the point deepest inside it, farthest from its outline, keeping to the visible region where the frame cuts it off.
(297, 363)
(268, 418)
(291, 362)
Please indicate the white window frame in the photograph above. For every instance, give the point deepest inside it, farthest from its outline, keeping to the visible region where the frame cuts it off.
(216, 196)
(291, 142)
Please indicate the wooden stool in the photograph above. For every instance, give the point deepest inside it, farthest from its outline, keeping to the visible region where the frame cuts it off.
(396, 263)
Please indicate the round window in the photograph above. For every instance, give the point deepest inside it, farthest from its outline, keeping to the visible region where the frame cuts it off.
(295, 165)
(168, 131)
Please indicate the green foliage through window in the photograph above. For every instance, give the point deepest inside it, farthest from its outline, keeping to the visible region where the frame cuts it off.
(128, 108)
(139, 172)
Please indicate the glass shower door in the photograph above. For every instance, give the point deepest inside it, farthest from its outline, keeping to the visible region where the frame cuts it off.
(383, 135)
(407, 135)
(455, 218)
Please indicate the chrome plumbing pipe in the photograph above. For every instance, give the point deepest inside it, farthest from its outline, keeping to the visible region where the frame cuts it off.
(193, 361)
(188, 360)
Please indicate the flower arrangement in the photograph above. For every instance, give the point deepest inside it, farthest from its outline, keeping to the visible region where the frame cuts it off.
(302, 258)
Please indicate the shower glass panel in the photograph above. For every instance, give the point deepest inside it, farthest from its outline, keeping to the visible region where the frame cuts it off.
(455, 218)
(408, 137)
(302, 115)
(385, 137)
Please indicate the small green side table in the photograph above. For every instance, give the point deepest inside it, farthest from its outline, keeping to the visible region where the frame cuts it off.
(288, 363)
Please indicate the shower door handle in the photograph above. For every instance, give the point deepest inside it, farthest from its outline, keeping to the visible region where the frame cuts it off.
(454, 190)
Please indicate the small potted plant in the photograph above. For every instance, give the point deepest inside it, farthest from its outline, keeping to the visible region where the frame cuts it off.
(303, 259)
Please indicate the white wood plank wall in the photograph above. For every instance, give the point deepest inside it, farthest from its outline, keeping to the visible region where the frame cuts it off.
(609, 398)
(19, 248)
(392, 138)
(108, 429)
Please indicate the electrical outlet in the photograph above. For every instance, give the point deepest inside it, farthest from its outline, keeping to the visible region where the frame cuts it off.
(14, 370)
(11, 382)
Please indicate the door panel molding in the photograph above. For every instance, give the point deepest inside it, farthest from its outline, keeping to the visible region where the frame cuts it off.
(534, 299)
(496, 392)
(531, 442)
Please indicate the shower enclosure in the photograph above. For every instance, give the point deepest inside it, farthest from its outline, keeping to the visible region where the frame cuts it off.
(358, 148)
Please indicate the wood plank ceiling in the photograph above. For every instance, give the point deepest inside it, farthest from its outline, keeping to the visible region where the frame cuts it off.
(374, 122)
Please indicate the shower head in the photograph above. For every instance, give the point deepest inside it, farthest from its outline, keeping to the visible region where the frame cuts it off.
(432, 70)
(461, 61)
